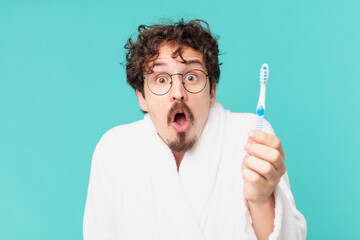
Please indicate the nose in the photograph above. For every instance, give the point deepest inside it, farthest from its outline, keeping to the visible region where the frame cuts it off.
(177, 91)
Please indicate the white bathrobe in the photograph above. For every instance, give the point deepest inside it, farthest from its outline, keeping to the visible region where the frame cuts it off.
(135, 191)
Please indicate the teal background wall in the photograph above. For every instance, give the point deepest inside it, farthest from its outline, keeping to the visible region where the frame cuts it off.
(62, 87)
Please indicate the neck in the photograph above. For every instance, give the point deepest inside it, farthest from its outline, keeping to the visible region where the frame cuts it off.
(178, 157)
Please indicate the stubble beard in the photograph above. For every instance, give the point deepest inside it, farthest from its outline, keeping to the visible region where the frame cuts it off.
(180, 145)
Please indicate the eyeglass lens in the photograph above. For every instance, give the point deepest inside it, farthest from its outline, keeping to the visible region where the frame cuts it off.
(160, 83)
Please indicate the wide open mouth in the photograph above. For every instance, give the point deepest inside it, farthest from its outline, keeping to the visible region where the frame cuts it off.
(181, 121)
(180, 117)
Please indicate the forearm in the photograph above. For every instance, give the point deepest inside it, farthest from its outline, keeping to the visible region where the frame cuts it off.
(262, 215)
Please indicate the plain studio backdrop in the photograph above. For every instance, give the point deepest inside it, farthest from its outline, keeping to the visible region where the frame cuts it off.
(62, 87)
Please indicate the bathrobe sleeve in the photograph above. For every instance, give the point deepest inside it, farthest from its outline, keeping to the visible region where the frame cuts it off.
(99, 215)
(289, 223)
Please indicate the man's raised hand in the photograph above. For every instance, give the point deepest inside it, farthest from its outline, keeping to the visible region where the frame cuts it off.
(262, 166)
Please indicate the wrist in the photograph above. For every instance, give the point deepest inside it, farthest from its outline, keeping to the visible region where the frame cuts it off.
(268, 203)
(263, 215)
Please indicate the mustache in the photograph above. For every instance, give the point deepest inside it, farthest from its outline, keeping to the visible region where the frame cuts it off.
(180, 107)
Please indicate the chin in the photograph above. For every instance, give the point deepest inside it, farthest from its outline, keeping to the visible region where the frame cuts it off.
(182, 143)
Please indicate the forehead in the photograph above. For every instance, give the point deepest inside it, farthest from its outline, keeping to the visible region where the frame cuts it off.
(166, 59)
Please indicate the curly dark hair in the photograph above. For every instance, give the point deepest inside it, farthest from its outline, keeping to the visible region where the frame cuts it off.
(146, 48)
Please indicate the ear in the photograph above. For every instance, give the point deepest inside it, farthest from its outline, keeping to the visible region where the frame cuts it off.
(213, 95)
(142, 101)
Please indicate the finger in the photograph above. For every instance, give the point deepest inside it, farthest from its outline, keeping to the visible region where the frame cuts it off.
(266, 139)
(243, 161)
(253, 177)
(266, 153)
(264, 168)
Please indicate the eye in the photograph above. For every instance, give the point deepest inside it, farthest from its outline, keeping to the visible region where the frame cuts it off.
(191, 78)
(161, 80)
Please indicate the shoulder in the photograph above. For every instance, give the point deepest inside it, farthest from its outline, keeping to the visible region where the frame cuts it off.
(246, 121)
(116, 145)
(120, 139)
(241, 117)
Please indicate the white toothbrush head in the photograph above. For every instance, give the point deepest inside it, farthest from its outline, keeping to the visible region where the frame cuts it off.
(264, 73)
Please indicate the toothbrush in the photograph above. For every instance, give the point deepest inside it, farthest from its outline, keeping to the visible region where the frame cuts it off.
(260, 109)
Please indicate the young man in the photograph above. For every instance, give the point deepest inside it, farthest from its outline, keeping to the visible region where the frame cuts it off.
(189, 169)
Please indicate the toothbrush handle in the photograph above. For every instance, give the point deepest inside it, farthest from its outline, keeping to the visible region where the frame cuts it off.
(258, 123)
(260, 112)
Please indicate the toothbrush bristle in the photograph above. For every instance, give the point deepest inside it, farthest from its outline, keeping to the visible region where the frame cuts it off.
(264, 73)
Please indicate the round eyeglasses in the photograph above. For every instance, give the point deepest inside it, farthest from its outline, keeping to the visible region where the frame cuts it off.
(160, 83)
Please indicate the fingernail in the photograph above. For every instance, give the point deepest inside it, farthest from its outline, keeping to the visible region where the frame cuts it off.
(252, 134)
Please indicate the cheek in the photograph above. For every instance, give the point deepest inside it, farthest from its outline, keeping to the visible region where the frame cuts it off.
(202, 109)
(158, 112)
(155, 103)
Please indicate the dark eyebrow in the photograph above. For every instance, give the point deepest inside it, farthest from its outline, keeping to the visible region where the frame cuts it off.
(158, 64)
(155, 64)
(186, 62)
(191, 61)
